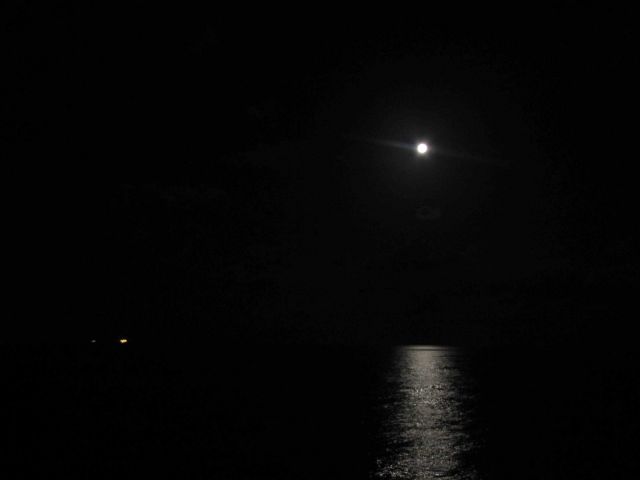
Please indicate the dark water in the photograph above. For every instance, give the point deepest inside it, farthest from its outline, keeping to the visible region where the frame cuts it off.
(416, 412)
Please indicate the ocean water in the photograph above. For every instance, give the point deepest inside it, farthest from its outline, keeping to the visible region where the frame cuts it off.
(426, 406)
(245, 412)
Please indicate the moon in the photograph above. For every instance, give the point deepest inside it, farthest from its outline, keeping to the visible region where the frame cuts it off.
(422, 148)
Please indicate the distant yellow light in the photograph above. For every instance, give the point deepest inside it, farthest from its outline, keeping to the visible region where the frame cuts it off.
(123, 340)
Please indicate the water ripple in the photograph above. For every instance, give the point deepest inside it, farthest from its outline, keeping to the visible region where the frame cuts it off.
(425, 428)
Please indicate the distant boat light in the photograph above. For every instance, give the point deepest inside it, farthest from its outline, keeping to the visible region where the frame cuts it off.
(123, 340)
(422, 148)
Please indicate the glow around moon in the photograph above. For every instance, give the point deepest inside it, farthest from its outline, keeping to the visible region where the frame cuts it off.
(422, 148)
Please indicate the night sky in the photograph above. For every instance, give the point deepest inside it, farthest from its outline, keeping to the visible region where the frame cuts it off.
(191, 174)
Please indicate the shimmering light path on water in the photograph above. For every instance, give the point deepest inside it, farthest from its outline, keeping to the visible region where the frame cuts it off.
(425, 429)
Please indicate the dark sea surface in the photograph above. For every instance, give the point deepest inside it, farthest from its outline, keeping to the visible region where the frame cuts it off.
(245, 412)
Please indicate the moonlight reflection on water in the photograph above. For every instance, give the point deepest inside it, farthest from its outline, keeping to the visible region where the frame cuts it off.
(426, 428)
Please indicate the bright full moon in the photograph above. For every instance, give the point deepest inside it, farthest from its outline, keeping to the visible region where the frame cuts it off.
(422, 148)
